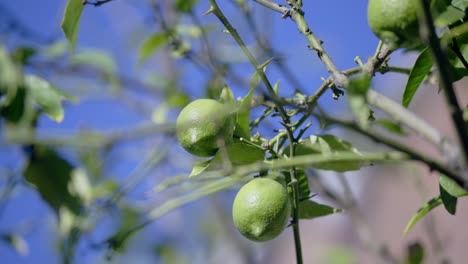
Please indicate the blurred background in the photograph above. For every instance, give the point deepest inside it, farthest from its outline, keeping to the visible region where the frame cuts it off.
(118, 133)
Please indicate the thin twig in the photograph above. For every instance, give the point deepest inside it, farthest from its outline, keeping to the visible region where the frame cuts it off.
(297, 15)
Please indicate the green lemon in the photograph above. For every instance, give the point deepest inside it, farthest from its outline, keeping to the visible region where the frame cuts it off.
(395, 22)
(261, 209)
(203, 125)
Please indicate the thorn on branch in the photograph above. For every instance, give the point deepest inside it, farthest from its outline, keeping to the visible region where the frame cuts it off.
(286, 14)
(95, 3)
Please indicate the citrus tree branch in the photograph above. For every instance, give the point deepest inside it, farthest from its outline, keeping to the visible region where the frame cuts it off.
(297, 15)
(414, 155)
(429, 35)
(286, 122)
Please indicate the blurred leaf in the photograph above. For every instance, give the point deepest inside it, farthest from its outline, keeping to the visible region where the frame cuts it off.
(206, 189)
(426, 208)
(421, 68)
(10, 77)
(178, 99)
(414, 254)
(458, 69)
(460, 4)
(52, 176)
(214, 87)
(160, 113)
(80, 186)
(392, 126)
(339, 255)
(98, 59)
(15, 110)
(151, 44)
(357, 91)
(71, 22)
(309, 209)
(185, 6)
(226, 96)
(128, 220)
(17, 242)
(46, 96)
(449, 16)
(169, 255)
(189, 30)
(22, 54)
(326, 145)
(55, 49)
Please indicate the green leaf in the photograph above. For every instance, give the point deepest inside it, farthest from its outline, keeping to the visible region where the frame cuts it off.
(421, 68)
(460, 4)
(151, 44)
(357, 91)
(98, 59)
(128, 219)
(71, 22)
(14, 111)
(22, 54)
(392, 126)
(226, 96)
(46, 96)
(452, 187)
(199, 167)
(159, 115)
(17, 242)
(414, 254)
(237, 153)
(426, 208)
(51, 175)
(458, 69)
(309, 209)
(243, 116)
(449, 16)
(326, 145)
(55, 49)
(10, 77)
(185, 6)
(449, 201)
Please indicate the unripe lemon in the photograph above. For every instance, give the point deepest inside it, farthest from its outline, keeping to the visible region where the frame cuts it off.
(395, 22)
(261, 209)
(203, 125)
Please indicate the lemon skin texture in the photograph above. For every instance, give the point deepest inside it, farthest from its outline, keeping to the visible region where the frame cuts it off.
(203, 125)
(395, 22)
(261, 209)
